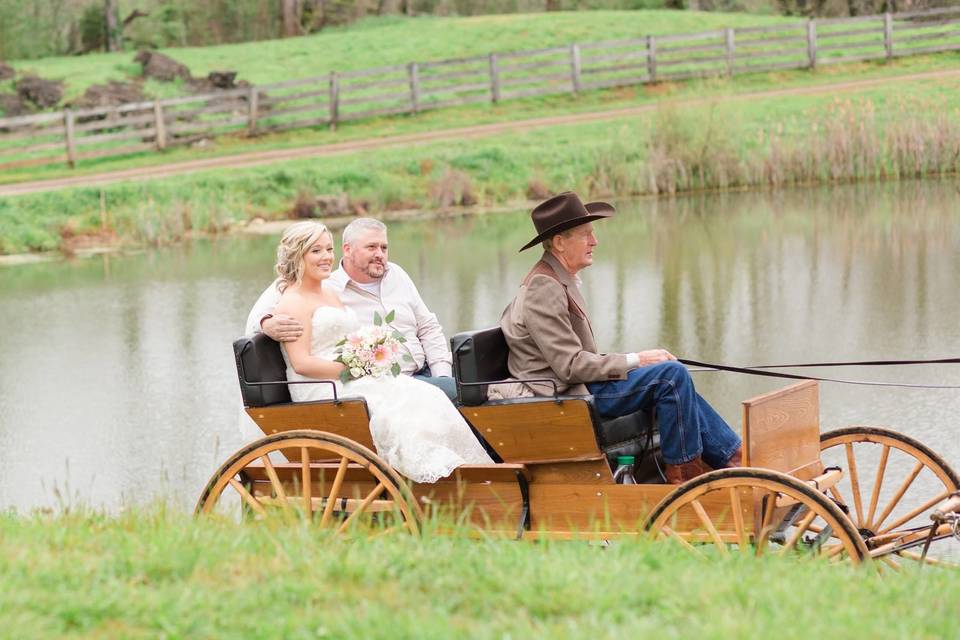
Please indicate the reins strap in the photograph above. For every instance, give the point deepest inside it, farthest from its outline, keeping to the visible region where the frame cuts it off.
(761, 371)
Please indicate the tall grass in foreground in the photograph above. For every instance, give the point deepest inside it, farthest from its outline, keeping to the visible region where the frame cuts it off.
(157, 573)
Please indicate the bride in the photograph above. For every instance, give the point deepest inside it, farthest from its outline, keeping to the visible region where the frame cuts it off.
(414, 426)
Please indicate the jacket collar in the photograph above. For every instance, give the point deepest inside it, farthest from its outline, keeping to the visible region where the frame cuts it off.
(567, 280)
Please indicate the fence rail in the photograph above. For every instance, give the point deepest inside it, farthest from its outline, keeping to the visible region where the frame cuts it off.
(76, 135)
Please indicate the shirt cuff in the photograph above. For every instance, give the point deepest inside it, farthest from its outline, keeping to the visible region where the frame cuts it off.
(632, 360)
(441, 369)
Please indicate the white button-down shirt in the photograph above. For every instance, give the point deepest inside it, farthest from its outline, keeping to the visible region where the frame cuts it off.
(425, 343)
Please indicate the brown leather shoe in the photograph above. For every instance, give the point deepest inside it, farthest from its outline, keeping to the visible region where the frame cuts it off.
(736, 460)
(680, 473)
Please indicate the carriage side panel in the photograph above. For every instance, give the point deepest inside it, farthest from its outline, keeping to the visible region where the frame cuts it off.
(781, 430)
(537, 431)
(347, 418)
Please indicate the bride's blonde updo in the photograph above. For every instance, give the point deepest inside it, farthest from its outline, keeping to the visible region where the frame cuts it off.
(296, 241)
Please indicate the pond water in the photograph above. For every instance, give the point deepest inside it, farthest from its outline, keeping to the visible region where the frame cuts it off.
(117, 375)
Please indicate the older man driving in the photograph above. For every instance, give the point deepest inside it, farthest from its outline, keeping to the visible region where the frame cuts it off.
(550, 336)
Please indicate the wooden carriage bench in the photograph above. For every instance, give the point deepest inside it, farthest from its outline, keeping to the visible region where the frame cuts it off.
(262, 374)
(545, 429)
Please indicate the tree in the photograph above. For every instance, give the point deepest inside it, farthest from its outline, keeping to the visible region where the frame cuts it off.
(114, 30)
(291, 11)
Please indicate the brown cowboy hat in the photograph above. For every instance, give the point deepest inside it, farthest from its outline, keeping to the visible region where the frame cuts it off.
(564, 211)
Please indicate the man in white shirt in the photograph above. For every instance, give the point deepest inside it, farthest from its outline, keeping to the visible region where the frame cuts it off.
(367, 283)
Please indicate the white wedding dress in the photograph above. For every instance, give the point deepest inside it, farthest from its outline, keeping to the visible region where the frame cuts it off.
(414, 426)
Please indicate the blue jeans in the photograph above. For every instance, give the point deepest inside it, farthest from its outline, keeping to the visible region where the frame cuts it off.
(689, 426)
(445, 383)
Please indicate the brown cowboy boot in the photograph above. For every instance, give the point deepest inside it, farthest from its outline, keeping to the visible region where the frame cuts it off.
(736, 460)
(680, 473)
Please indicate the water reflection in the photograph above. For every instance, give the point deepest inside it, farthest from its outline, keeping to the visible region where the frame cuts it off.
(117, 374)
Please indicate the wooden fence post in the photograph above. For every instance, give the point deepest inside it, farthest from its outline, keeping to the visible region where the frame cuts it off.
(575, 67)
(651, 59)
(253, 107)
(159, 126)
(414, 73)
(731, 50)
(812, 43)
(334, 99)
(888, 34)
(494, 79)
(69, 136)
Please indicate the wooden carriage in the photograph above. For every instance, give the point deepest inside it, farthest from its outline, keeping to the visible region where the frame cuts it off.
(553, 471)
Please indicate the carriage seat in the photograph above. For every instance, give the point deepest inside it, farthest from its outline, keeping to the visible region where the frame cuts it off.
(481, 356)
(259, 360)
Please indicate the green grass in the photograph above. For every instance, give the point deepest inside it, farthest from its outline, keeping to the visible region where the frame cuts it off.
(153, 573)
(511, 110)
(747, 139)
(386, 41)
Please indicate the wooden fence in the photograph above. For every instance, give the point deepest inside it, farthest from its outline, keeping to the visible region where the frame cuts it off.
(75, 135)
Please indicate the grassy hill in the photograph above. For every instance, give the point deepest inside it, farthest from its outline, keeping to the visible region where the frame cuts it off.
(387, 41)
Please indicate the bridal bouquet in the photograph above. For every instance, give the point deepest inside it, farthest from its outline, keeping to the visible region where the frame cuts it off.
(371, 350)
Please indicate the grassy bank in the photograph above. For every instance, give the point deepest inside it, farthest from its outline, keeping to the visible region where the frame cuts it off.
(904, 129)
(386, 41)
(160, 574)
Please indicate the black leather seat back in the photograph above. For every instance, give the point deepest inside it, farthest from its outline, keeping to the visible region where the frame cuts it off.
(478, 356)
(259, 360)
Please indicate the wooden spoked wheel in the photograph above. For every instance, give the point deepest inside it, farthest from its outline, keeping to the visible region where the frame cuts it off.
(331, 481)
(755, 511)
(892, 483)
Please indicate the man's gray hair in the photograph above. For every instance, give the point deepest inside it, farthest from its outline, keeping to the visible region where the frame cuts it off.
(359, 226)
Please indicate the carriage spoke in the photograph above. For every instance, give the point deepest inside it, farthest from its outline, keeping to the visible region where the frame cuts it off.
(676, 536)
(890, 562)
(899, 494)
(910, 555)
(800, 530)
(305, 481)
(738, 519)
(363, 505)
(877, 483)
(334, 491)
(913, 514)
(247, 497)
(708, 524)
(275, 482)
(768, 505)
(854, 482)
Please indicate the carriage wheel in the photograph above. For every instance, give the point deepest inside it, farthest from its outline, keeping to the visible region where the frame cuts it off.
(335, 483)
(755, 511)
(891, 485)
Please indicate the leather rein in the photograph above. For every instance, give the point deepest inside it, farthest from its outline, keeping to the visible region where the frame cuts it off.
(763, 370)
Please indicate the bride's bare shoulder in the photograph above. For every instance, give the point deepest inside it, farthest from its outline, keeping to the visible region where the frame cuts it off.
(295, 303)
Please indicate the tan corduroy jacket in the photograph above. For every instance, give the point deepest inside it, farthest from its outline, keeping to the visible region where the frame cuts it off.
(549, 334)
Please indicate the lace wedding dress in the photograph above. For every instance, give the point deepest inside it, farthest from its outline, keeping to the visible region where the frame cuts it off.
(414, 426)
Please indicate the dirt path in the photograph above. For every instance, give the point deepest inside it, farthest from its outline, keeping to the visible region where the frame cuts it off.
(257, 158)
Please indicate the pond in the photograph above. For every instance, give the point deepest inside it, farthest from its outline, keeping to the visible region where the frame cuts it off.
(119, 387)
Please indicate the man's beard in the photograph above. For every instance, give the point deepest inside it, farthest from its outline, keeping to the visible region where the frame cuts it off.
(375, 270)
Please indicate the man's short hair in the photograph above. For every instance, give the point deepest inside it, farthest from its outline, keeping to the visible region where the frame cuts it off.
(353, 230)
(548, 242)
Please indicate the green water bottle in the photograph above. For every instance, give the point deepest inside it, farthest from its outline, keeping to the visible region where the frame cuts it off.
(624, 472)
